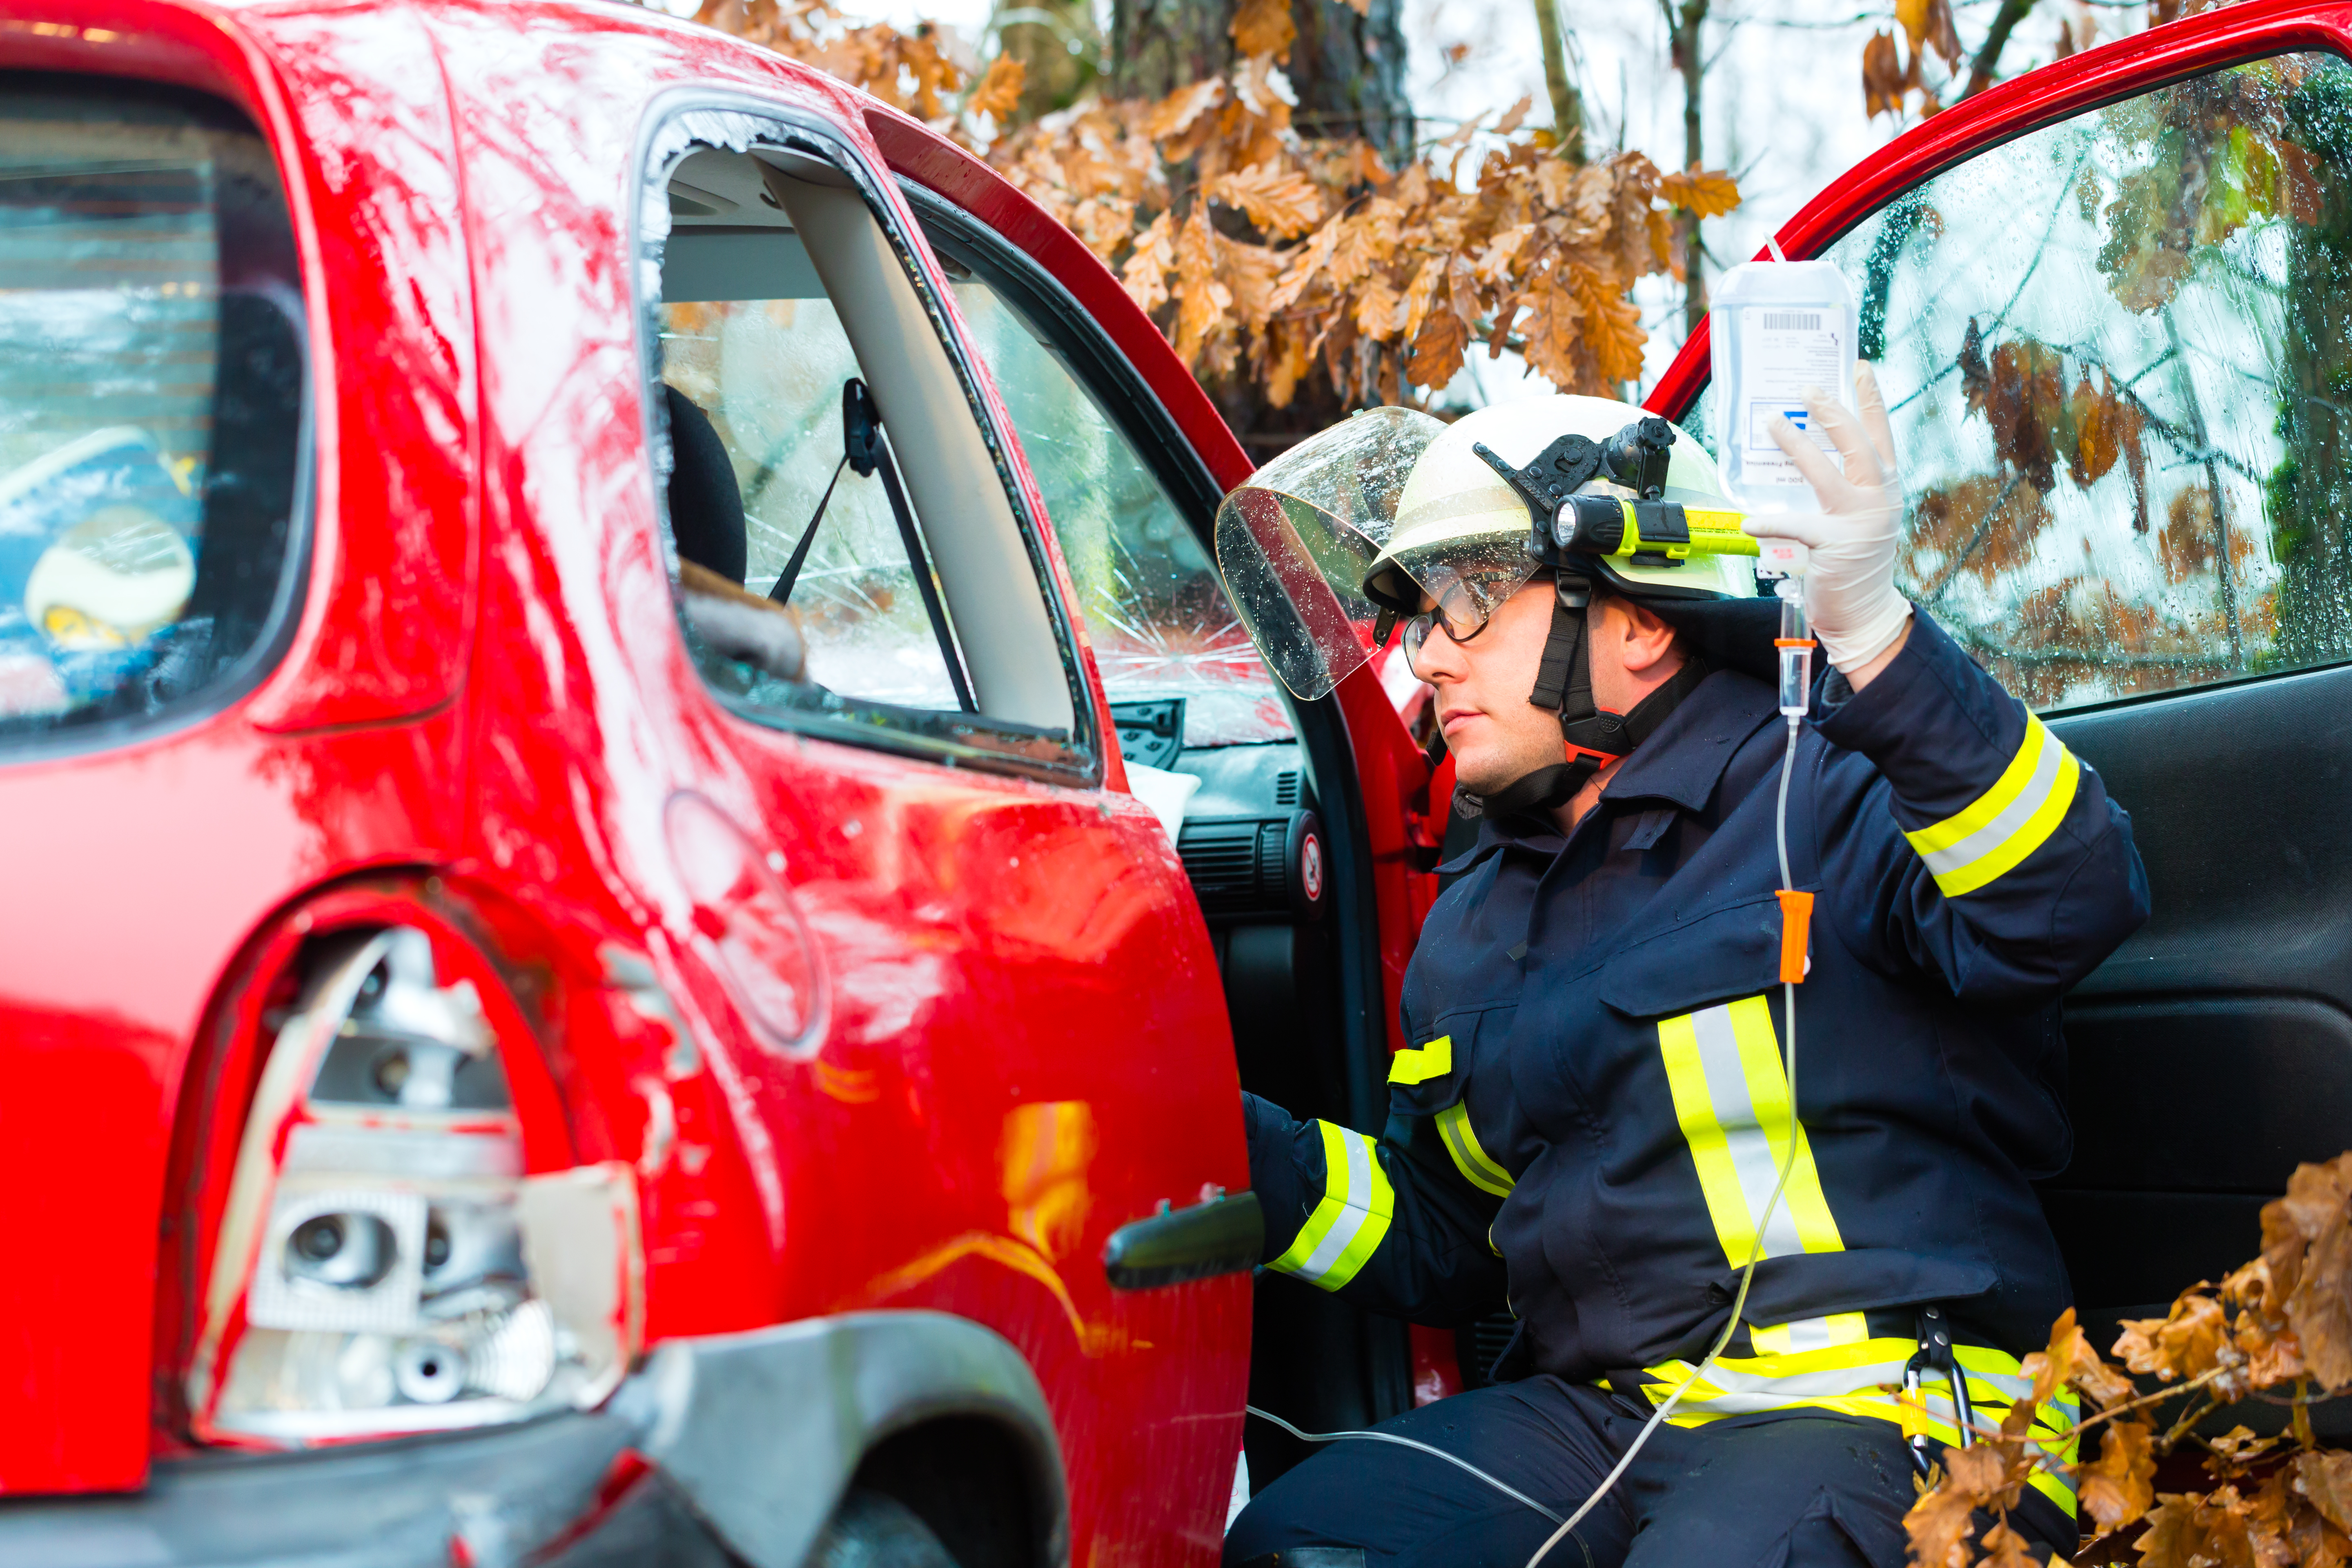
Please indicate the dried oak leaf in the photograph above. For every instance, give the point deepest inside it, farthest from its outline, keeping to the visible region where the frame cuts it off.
(1365, 241)
(1939, 1524)
(2212, 1531)
(1438, 349)
(2096, 415)
(1709, 193)
(2119, 1485)
(2320, 1310)
(2238, 1447)
(1554, 346)
(2070, 1359)
(2314, 1196)
(1174, 114)
(2186, 546)
(2188, 1343)
(1377, 308)
(1200, 300)
(1248, 273)
(2020, 392)
(2324, 1480)
(2004, 1548)
(1264, 27)
(1513, 115)
(1419, 293)
(1882, 77)
(1145, 275)
(1281, 201)
(1289, 354)
(998, 92)
(1613, 329)
(1307, 261)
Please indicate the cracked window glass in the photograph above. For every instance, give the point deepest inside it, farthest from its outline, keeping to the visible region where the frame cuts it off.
(766, 375)
(2118, 356)
(151, 401)
(1154, 608)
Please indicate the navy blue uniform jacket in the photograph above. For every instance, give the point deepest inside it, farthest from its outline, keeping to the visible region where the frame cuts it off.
(1593, 1110)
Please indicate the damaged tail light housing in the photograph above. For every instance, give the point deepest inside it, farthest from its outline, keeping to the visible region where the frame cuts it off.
(383, 1263)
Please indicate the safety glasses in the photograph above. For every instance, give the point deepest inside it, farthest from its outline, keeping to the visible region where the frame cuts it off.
(1465, 597)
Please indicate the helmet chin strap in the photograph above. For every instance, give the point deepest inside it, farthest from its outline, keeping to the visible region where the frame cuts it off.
(1595, 736)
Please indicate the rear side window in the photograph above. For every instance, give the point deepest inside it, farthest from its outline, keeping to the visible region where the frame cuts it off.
(150, 407)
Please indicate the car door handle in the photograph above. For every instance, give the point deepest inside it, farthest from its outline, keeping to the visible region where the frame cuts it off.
(1223, 1235)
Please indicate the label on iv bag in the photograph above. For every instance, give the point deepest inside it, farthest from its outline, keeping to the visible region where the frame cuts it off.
(1784, 350)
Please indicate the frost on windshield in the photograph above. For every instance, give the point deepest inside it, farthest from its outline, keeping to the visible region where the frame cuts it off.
(1154, 608)
(2118, 356)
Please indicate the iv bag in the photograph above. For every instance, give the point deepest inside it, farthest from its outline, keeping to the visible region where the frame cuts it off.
(1777, 328)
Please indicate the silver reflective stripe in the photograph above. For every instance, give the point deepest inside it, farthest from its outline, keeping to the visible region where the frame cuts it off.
(1752, 1159)
(1351, 1216)
(2047, 764)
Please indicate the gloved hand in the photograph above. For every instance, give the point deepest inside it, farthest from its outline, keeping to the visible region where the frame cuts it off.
(1849, 594)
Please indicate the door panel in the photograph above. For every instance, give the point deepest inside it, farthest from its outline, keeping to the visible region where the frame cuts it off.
(1132, 503)
(2109, 307)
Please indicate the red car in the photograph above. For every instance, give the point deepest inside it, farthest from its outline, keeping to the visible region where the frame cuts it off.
(641, 858)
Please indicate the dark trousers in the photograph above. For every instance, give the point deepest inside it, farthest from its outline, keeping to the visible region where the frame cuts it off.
(1800, 1489)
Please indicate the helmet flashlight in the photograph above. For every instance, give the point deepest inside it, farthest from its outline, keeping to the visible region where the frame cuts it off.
(1566, 519)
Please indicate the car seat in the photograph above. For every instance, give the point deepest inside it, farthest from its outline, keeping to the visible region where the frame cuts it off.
(706, 505)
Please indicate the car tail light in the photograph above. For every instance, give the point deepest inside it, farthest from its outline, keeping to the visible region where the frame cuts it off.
(382, 1263)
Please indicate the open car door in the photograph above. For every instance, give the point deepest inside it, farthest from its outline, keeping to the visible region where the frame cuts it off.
(2112, 304)
(1306, 837)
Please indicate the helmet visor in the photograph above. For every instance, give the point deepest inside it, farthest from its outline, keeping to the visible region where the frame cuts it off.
(1296, 540)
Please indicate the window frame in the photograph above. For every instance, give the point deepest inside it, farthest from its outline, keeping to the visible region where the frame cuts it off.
(684, 120)
(238, 680)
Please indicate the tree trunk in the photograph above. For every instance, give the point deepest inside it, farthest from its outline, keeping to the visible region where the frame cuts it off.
(1348, 73)
(1348, 70)
(1158, 46)
(1686, 23)
(1058, 49)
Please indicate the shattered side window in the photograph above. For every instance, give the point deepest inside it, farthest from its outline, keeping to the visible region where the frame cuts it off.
(1154, 608)
(2118, 355)
(151, 403)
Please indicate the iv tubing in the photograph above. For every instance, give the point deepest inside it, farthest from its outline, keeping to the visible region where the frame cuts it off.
(1747, 1272)
(1755, 1250)
(1512, 1492)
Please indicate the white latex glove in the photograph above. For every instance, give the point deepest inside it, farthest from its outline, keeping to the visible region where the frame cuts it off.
(1850, 595)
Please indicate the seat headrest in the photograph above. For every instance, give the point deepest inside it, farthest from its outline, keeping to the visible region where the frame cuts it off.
(706, 505)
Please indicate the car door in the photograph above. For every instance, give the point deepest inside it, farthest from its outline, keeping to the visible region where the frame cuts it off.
(942, 970)
(1132, 459)
(2108, 301)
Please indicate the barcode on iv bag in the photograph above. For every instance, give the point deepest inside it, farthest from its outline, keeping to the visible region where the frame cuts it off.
(1792, 322)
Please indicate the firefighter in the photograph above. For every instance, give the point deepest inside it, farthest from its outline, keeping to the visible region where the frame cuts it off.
(1593, 1110)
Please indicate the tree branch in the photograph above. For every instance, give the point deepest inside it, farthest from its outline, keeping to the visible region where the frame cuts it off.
(1567, 105)
(1988, 60)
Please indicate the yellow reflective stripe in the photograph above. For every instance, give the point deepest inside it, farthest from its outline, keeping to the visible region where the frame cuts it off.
(2008, 822)
(1865, 1379)
(1731, 1100)
(1477, 1166)
(1351, 1219)
(1434, 1059)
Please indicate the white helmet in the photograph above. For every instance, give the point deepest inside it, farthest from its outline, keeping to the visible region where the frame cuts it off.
(1327, 545)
